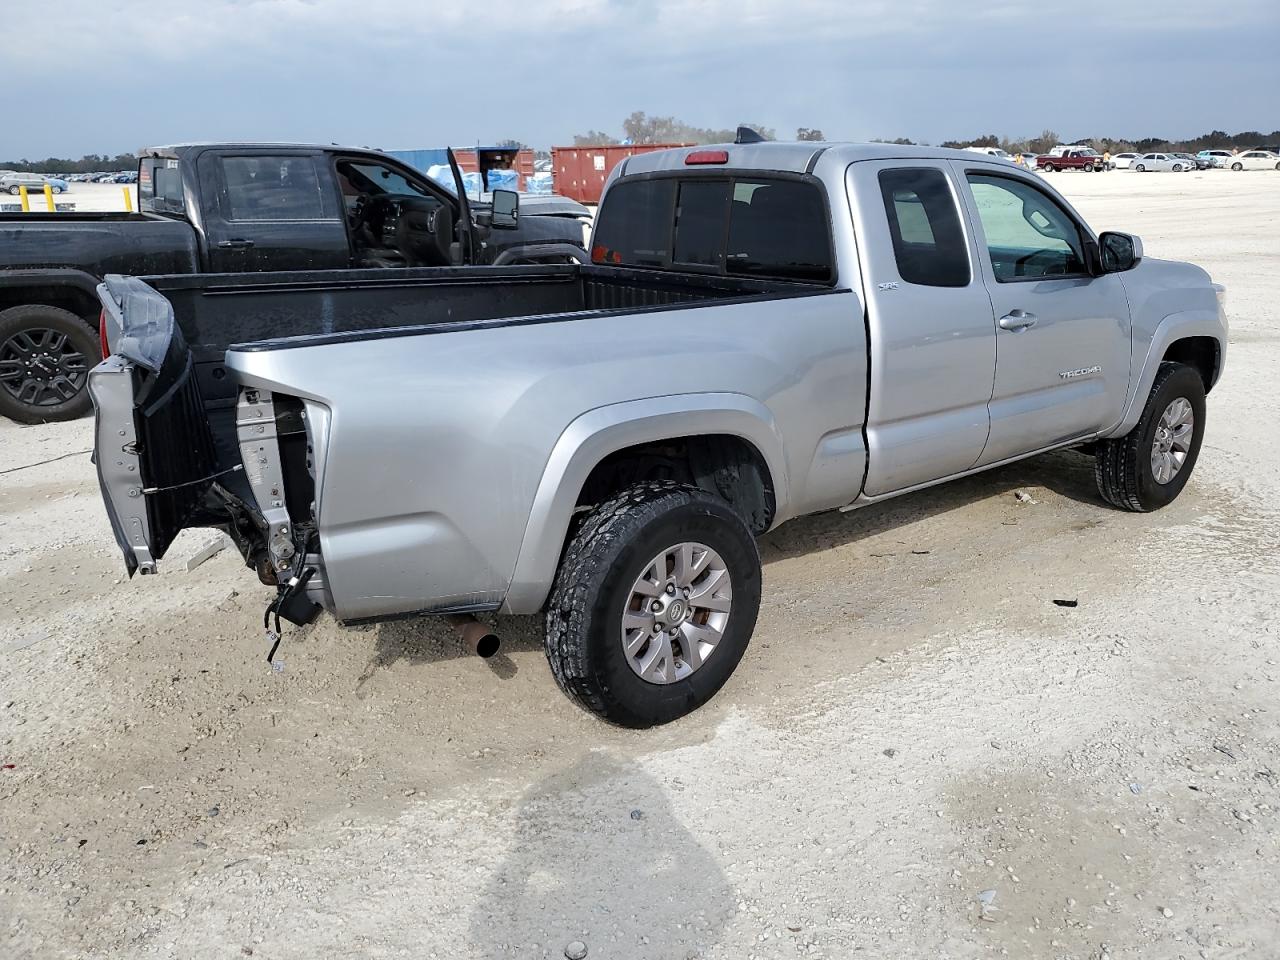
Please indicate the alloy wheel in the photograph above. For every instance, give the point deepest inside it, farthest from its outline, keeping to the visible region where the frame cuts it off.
(1172, 441)
(676, 613)
(41, 368)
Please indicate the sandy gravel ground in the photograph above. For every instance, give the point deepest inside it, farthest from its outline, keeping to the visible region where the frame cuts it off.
(920, 756)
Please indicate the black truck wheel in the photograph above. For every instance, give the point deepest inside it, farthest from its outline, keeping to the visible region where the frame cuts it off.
(45, 356)
(1147, 468)
(654, 604)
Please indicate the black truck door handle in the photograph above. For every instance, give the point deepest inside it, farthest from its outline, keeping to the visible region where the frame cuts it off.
(235, 244)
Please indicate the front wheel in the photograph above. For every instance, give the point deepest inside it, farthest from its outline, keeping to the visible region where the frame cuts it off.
(14, 191)
(1088, 168)
(1047, 168)
(1177, 168)
(1147, 468)
(1140, 168)
(654, 604)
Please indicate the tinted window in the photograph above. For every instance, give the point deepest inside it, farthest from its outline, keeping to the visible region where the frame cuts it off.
(160, 187)
(635, 224)
(273, 188)
(779, 229)
(746, 227)
(928, 242)
(1029, 236)
(700, 221)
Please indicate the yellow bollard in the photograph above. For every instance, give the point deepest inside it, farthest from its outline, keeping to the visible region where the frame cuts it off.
(48, 198)
(128, 200)
(26, 201)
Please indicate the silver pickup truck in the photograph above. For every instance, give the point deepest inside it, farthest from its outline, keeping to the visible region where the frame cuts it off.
(765, 331)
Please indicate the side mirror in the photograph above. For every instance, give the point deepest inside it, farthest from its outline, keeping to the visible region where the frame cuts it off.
(1120, 251)
(506, 210)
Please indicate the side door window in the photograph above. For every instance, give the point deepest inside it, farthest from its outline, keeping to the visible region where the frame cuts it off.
(924, 225)
(273, 188)
(1029, 235)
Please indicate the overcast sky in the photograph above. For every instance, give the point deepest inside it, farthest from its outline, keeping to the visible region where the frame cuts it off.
(114, 75)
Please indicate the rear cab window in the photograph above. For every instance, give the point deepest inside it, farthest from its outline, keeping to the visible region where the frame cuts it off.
(743, 225)
(160, 187)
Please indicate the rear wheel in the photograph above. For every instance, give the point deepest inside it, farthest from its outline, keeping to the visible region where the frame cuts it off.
(654, 604)
(1148, 467)
(15, 190)
(1237, 166)
(45, 356)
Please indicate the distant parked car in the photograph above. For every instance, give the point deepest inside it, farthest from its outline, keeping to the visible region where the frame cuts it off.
(995, 152)
(1122, 161)
(1216, 158)
(14, 182)
(1193, 163)
(1158, 162)
(1256, 160)
(57, 184)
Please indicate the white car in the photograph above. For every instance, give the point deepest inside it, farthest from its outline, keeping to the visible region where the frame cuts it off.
(1255, 160)
(1158, 161)
(1123, 161)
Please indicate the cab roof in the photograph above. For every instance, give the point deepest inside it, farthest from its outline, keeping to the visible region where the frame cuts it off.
(789, 156)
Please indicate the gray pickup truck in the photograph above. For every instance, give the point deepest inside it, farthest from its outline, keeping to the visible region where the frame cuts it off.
(765, 331)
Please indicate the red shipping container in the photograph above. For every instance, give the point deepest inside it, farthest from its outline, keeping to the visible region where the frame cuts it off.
(496, 158)
(580, 172)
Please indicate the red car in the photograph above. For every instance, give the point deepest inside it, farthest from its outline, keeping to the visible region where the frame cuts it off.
(1085, 160)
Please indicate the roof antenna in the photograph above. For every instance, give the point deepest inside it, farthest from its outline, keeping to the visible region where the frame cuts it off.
(747, 135)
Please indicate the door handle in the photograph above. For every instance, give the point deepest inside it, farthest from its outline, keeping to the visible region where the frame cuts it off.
(1018, 320)
(235, 244)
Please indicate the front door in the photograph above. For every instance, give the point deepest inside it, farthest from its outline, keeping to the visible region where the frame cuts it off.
(931, 330)
(271, 211)
(1062, 334)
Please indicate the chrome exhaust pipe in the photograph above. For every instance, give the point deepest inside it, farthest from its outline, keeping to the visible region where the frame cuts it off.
(475, 636)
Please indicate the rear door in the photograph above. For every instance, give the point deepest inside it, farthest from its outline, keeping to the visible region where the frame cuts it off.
(931, 329)
(276, 210)
(1062, 335)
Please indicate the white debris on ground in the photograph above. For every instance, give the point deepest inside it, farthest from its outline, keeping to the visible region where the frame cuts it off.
(920, 756)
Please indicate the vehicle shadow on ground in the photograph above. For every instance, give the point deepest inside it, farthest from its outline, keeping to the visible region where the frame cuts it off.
(1067, 473)
(600, 856)
(422, 640)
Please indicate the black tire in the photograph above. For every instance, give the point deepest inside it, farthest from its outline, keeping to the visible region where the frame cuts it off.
(1177, 168)
(1140, 168)
(1088, 168)
(1237, 167)
(1047, 168)
(14, 191)
(605, 557)
(80, 339)
(1123, 466)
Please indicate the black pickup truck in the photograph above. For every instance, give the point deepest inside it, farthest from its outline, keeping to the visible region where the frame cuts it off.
(232, 208)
